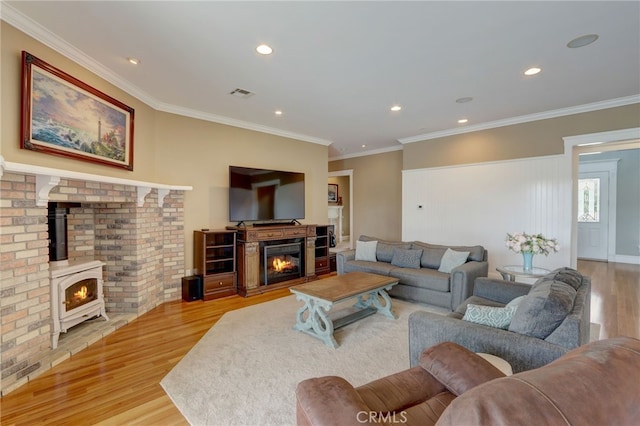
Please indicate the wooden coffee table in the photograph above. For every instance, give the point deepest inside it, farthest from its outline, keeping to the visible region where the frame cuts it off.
(320, 296)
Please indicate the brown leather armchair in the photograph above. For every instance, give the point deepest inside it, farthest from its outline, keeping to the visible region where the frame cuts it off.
(595, 384)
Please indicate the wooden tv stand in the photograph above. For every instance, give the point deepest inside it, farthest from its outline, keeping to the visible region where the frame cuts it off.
(248, 254)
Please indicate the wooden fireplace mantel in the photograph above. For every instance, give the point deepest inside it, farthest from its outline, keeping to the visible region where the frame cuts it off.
(248, 246)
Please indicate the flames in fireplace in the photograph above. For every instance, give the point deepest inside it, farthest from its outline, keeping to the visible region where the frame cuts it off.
(281, 261)
(80, 293)
(285, 264)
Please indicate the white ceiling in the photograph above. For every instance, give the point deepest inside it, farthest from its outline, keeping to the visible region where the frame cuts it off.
(337, 67)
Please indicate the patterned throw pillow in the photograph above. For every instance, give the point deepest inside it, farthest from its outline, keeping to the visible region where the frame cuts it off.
(406, 258)
(491, 316)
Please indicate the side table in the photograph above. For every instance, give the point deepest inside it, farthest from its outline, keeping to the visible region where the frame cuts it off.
(497, 362)
(510, 272)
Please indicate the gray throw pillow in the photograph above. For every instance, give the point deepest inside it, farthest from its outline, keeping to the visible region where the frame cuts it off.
(406, 258)
(543, 309)
(385, 250)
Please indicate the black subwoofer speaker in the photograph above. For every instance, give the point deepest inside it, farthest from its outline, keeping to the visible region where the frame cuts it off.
(191, 288)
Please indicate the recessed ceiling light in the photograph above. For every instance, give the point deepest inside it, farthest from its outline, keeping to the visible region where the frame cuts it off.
(582, 41)
(462, 121)
(533, 71)
(278, 112)
(364, 146)
(464, 100)
(263, 49)
(396, 108)
(134, 61)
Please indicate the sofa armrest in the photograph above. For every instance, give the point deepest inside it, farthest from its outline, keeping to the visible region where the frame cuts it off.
(457, 368)
(342, 257)
(463, 278)
(522, 352)
(322, 400)
(500, 291)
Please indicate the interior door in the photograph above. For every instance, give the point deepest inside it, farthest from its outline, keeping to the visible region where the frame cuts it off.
(593, 215)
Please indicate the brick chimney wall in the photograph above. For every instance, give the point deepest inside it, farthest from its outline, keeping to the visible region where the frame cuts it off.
(142, 246)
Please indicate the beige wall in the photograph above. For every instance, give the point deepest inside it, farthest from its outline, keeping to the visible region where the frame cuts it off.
(168, 149)
(377, 194)
(199, 153)
(13, 42)
(534, 139)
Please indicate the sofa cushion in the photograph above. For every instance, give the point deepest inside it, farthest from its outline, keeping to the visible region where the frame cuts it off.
(423, 278)
(452, 259)
(380, 268)
(543, 308)
(492, 316)
(384, 249)
(566, 275)
(431, 255)
(366, 250)
(515, 302)
(406, 258)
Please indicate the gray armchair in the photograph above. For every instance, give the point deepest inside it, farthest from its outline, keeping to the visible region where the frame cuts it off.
(524, 351)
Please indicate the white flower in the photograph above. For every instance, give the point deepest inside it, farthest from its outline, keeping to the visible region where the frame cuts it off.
(521, 242)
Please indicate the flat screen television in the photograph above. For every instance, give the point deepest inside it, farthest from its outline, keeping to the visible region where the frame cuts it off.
(261, 195)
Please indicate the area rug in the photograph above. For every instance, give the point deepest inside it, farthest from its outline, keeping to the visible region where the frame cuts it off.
(245, 369)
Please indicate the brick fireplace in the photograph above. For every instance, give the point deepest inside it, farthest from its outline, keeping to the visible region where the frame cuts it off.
(135, 228)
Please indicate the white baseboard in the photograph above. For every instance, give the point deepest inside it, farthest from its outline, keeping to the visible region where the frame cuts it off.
(621, 258)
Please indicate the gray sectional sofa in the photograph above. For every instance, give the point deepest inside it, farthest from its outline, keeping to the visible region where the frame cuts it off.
(551, 318)
(422, 282)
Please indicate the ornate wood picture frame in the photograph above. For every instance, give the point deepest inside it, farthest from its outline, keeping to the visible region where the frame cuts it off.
(63, 116)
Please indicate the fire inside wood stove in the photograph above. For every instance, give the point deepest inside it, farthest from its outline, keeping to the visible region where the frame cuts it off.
(80, 293)
(281, 262)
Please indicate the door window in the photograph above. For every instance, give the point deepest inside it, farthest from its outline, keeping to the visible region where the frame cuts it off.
(589, 200)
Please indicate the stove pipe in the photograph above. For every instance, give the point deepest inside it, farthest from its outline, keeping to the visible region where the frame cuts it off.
(57, 220)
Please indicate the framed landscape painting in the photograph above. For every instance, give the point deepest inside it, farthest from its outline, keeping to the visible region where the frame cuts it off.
(333, 193)
(63, 116)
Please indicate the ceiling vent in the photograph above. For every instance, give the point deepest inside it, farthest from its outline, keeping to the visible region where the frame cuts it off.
(241, 93)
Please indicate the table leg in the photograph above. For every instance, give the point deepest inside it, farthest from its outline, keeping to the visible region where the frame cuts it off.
(373, 300)
(312, 319)
(507, 276)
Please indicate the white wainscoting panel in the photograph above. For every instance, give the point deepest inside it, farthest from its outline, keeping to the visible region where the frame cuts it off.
(480, 203)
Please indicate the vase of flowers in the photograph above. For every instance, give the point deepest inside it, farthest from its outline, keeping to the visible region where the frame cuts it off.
(529, 245)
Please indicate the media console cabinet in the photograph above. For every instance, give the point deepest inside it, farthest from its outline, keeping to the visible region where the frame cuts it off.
(272, 257)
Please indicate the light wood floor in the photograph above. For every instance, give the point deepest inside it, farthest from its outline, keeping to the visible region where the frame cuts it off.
(116, 380)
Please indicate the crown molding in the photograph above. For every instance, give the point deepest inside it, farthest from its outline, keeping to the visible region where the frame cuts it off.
(28, 26)
(612, 103)
(238, 123)
(366, 153)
